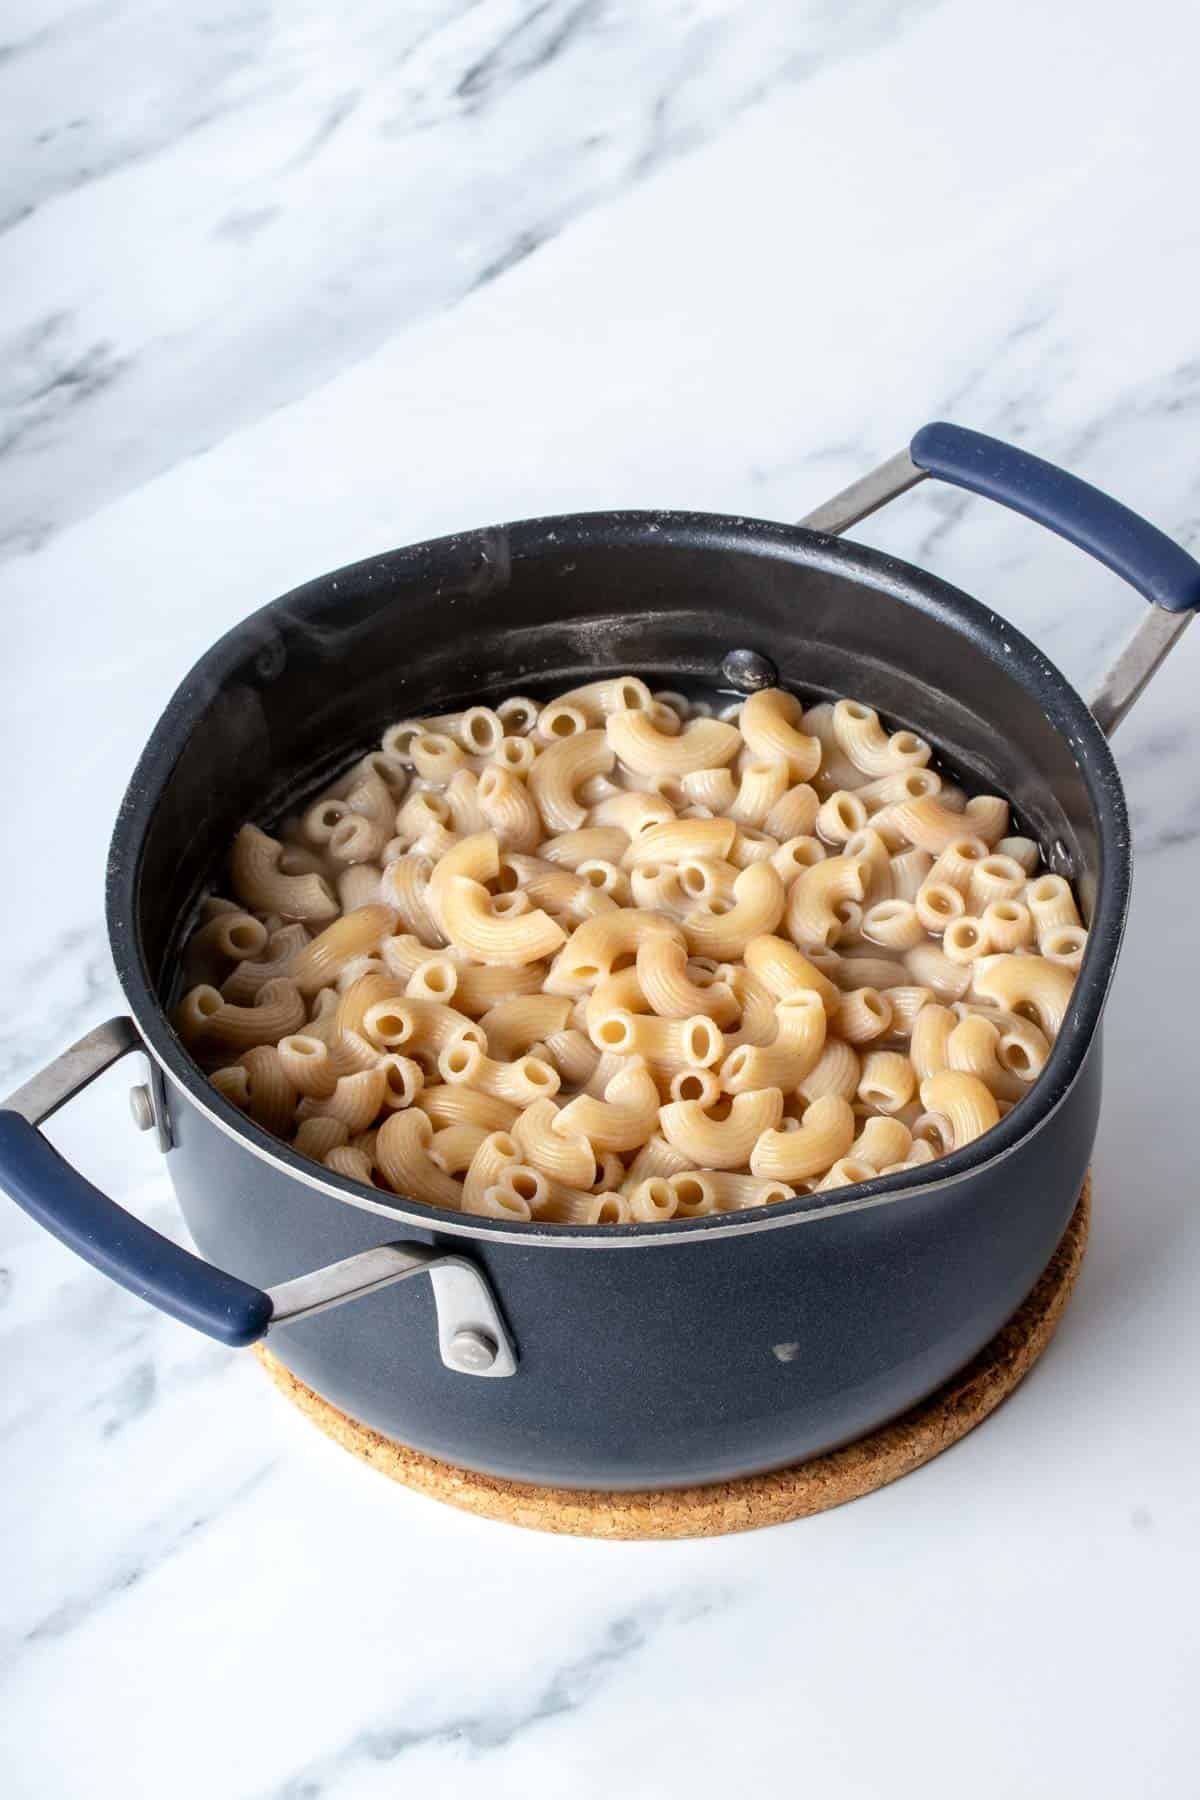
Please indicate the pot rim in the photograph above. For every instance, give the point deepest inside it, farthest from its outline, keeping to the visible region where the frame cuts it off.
(647, 531)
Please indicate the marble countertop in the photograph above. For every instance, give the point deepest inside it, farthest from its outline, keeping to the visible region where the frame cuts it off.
(280, 287)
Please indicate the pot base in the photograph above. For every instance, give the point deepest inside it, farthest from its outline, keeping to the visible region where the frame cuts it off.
(772, 1499)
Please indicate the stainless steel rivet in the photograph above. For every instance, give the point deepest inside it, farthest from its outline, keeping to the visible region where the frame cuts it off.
(473, 1349)
(141, 1106)
(747, 671)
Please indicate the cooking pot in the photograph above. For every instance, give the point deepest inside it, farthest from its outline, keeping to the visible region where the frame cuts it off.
(646, 1355)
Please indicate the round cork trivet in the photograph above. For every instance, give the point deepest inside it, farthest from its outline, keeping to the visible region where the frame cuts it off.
(792, 1493)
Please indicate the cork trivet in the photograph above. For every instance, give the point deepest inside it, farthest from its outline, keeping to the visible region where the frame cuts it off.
(792, 1493)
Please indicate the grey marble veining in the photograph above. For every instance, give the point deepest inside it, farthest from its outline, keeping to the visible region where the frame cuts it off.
(280, 288)
(345, 177)
(162, 1540)
(564, 1692)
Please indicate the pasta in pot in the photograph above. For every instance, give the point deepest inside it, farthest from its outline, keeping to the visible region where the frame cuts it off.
(625, 958)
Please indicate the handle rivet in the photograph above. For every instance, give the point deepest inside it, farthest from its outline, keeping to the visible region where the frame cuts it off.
(747, 671)
(141, 1106)
(471, 1349)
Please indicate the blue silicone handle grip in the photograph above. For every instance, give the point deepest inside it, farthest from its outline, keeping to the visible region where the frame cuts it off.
(120, 1246)
(1160, 570)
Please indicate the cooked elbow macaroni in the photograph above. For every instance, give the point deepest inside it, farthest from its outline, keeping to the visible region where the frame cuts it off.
(625, 957)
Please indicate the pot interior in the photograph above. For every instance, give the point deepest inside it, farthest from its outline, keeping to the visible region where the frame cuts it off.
(304, 684)
(292, 694)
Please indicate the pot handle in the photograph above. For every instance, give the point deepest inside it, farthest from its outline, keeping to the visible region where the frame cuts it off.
(472, 1336)
(1159, 569)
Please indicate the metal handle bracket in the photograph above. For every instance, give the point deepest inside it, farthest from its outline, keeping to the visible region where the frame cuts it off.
(1154, 637)
(472, 1337)
(44, 1093)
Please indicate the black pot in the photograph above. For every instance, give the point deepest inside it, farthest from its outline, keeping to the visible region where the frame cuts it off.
(638, 1356)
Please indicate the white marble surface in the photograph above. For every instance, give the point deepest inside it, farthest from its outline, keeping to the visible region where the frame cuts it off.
(283, 286)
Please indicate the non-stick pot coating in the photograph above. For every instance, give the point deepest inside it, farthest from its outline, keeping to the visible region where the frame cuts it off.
(654, 1354)
(293, 692)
